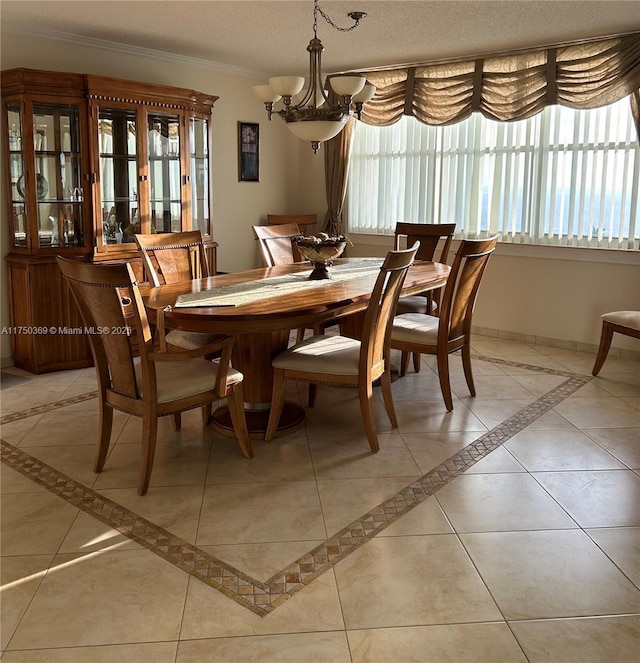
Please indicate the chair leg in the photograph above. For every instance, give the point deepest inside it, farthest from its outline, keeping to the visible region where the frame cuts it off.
(106, 424)
(300, 334)
(149, 436)
(176, 421)
(603, 350)
(313, 392)
(206, 413)
(443, 376)
(387, 395)
(277, 403)
(366, 397)
(404, 362)
(416, 362)
(235, 402)
(466, 367)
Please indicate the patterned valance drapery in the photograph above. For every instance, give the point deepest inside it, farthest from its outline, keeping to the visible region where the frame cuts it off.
(503, 87)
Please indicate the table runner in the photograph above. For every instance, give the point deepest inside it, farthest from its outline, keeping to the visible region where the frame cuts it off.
(276, 286)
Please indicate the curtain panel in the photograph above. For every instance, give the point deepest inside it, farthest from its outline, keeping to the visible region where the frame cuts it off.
(510, 86)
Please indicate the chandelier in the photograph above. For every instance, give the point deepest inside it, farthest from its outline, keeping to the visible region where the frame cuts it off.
(319, 113)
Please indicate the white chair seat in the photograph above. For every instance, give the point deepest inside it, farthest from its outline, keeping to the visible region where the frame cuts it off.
(181, 379)
(629, 319)
(335, 355)
(415, 328)
(190, 340)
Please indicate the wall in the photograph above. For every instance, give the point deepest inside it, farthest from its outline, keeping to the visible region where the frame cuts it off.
(291, 178)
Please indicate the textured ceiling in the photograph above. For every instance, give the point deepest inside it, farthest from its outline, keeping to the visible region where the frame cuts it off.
(271, 37)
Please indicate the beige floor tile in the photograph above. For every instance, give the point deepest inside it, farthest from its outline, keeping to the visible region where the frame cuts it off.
(455, 643)
(632, 402)
(12, 481)
(580, 640)
(192, 429)
(21, 577)
(413, 580)
(346, 500)
(431, 449)
(282, 459)
(494, 387)
(15, 431)
(493, 412)
(261, 560)
(537, 384)
(499, 502)
(329, 647)
(560, 450)
(598, 498)
(503, 349)
(153, 652)
(598, 413)
(104, 598)
(549, 574)
(426, 518)
(261, 512)
(87, 534)
(432, 417)
(623, 443)
(423, 386)
(531, 360)
(34, 523)
(550, 421)
(345, 457)
(210, 614)
(75, 461)
(621, 384)
(25, 397)
(497, 462)
(622, 545)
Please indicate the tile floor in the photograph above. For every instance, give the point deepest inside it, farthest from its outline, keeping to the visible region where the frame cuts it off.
(507, 530)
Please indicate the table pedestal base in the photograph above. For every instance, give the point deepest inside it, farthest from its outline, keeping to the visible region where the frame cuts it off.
(292, 419)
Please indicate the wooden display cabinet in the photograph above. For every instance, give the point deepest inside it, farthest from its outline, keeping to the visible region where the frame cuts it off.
(90, 161)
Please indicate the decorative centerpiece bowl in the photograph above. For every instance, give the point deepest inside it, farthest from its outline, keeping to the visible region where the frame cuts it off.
(320, 250)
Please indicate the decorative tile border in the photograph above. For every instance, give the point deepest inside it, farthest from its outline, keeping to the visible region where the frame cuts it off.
(262, 598)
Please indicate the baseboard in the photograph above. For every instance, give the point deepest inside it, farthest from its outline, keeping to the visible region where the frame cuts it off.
(553, 342)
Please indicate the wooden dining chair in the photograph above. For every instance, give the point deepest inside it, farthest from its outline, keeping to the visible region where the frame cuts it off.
(347, 362)
(158, 382)
(174, 258)
(276, 247)
(308, 223)
(451, 329)
(429, 235)
(621, 322)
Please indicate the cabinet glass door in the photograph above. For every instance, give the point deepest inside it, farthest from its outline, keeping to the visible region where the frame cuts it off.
(165, 181)
(118, 175)
(58, 181)
(199, 153)
(16, 165)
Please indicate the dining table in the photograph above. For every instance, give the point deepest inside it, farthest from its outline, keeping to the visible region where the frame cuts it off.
(260, 307)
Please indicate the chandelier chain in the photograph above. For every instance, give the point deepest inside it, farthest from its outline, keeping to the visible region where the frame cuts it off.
(355, 16)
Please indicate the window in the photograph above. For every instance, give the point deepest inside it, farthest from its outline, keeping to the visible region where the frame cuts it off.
(563, 177)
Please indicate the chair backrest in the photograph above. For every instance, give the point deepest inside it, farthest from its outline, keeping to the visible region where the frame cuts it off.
(378, 319)
(276, 247)
(462, 286)
(102, 292)
(428, 234)
(173, 257)
(306, 222)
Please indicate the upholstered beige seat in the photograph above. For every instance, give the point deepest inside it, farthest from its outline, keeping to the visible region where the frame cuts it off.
(622, 322)
(173, 258)
(157, 383)
(440, 336)
(347, 362)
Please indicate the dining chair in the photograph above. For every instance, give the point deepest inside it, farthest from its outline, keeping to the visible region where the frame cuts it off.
(622, 322)
(451, 329)
(429, 235)
(307, 223)
(276, 247)
(157, 383)
(174, 258)
(347, 362)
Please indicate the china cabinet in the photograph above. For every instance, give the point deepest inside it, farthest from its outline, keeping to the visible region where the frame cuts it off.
(89, 162)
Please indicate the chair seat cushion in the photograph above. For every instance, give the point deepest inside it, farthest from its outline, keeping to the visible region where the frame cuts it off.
(335, 355)
(629, 319)
(181, 379)
(190, 340)
(415, 328)
(414, 304)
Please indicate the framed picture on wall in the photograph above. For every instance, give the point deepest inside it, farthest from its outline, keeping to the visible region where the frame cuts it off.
(248, 152)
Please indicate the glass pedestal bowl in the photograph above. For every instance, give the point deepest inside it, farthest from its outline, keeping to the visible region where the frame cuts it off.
(320, 254)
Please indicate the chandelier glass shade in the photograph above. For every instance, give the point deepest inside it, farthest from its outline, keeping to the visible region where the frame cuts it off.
(319, 111)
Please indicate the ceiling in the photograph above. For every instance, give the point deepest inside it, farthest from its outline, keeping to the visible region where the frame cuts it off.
(270, 37)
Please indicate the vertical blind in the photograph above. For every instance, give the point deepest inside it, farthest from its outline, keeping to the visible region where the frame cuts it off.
(564, 176)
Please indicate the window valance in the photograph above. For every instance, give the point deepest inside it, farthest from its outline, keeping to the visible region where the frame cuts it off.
(508, 86)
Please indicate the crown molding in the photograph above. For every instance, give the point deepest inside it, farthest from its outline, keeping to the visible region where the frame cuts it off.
(103, 44)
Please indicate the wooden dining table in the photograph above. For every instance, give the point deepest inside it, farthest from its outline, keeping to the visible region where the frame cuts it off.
(261, 308)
